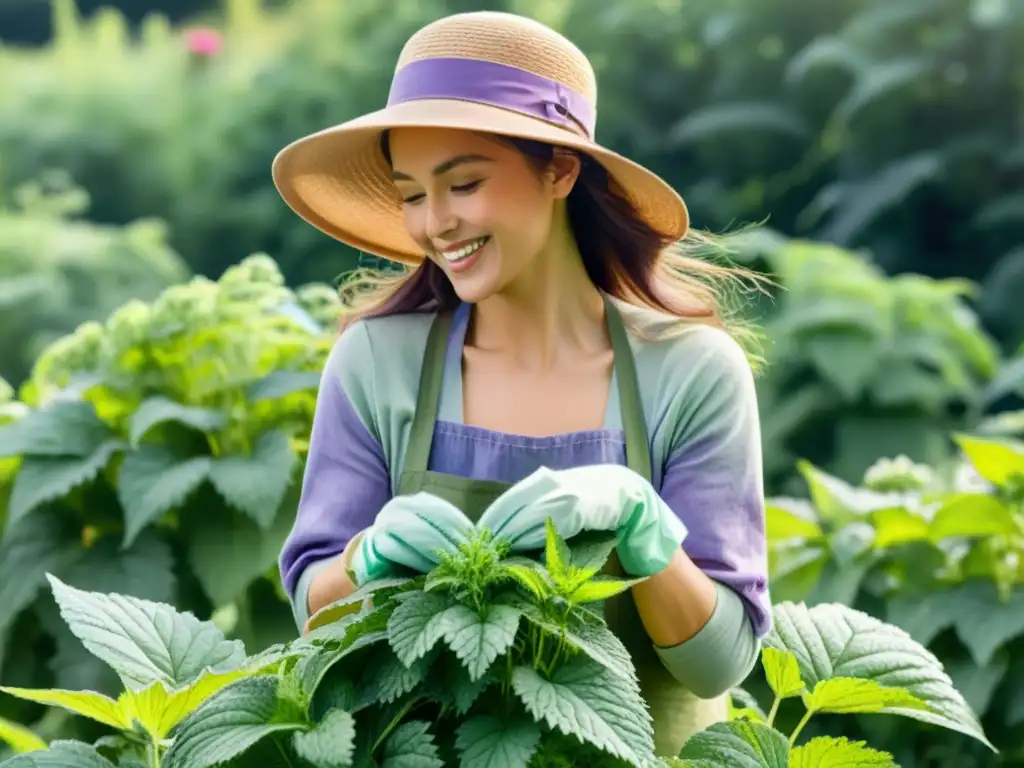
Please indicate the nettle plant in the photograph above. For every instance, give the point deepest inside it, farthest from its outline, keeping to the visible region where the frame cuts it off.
(489, 660)
(158, 453)
(938, 552)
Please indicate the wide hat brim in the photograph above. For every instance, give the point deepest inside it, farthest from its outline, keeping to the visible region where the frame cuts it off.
(339, 181)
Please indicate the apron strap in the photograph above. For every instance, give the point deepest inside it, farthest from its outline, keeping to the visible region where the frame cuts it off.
(638, 457)
(638, 451)
(417, 454)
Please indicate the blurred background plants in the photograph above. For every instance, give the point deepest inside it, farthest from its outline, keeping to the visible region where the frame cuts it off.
(880, 143)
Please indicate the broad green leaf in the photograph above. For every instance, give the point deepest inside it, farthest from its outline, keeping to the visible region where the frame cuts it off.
(585, 700)
(422, 619)
(782, 672)
(795, 568)
(985, 622)
(772, 119)
(479, 640)
(487, 742)
(160, 410)
(89, 704)
(978, 684)
(18, 737)
(63, 428)
(386, 679)
(831, 640)
(736, 744)
(832, 752)
(996, 460)
(601, 588)
(898, 525)
(785, 521)
(742, 705)
(849, 695)
(411, 745)
(229, 723)
(61, 754)
(256, 484)
(32, 547)
(331, 743)
(145, 641)
(972, 514)
(417, 624)
(227, 551)
(153, 481)
(846, 358)
(44, 478)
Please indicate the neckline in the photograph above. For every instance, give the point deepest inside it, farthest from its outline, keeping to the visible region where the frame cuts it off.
(451, 409)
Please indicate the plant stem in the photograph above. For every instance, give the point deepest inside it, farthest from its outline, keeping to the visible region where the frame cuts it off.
(774, 711)
(154, 755)
(800, 726)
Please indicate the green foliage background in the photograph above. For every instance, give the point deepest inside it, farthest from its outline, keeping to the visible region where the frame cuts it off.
(880, 142)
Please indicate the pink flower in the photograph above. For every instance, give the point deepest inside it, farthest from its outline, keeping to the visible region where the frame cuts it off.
(203, 41)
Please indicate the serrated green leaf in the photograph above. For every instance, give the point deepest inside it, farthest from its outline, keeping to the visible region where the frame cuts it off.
(331, 743)
(417, 624)
(153, 480)
(257, 483)
(411, 745)
(530, 575)
(387, 679)
(556, 554)
(228, 724)
(489, 742)
(585, 700)
(44, 478)
(736, 744)
(591, 550)
(63, 428)
(479, 640)
(89, 704)
(782, 672)
(61, 754)
(832, 752)
(831, 640)
(972, 514)
(996, 460)
(847, 695)
(19, 738)
(32, 547)
(601, 588)
(346, 606)
(160, 410)
(145, 641)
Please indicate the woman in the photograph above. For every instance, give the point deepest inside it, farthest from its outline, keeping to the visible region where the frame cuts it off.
(549, 328)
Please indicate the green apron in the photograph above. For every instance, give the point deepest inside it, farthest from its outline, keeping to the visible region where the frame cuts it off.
(676, 712)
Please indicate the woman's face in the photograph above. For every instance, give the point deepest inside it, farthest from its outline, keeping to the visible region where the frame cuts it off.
(476, 206)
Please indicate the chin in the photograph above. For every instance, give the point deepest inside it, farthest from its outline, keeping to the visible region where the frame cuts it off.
(474, 291)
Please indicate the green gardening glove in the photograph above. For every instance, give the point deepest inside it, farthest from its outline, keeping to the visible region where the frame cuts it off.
(605, 497)
(409, 532)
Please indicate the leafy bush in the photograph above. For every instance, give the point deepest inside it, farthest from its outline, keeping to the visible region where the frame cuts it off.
(487, 660)
(158, 454)
(860, 364)
(938, 551)
(58, 270)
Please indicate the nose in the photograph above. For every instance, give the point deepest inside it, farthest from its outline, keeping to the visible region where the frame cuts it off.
(440, 218)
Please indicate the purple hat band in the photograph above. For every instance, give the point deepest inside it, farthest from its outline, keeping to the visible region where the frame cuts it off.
(499, 85)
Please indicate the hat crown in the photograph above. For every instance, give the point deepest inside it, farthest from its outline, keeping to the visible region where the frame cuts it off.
(504, 38)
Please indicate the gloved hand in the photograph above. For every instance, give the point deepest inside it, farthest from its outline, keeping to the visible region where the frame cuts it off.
(605, 497)
(409, 531)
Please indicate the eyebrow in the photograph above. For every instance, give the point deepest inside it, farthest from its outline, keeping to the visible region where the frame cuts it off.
(446, 166)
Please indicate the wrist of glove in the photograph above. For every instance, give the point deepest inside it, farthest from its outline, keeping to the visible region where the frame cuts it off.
(409, 532)
(592, 498)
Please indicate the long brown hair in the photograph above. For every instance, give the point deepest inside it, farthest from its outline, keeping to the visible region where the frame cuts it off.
(623, 255)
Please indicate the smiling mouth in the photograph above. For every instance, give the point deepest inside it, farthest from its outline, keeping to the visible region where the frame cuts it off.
(463, 253)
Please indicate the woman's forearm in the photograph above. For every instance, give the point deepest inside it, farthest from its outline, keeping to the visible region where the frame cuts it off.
(675, 604)
(332, 583)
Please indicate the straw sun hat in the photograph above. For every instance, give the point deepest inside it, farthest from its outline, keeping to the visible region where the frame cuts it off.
(485, 71)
